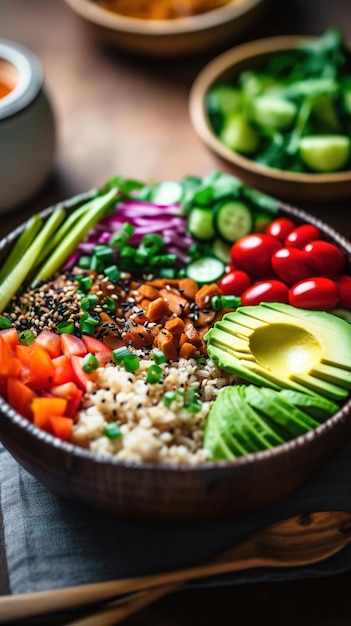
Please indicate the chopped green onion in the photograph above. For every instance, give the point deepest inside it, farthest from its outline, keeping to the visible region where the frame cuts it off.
(151, 244)
(96, 264)
(121, 237)
(26, 337)
(164, 260)
(90, 363)
(112, 430)
(169, 397)
(85, 283)
(104, 254)
(87, 324)
(5, 322)
(225, 302)
(89, 301)
(154, 374)
(118, 240)
(131, 362)
(194, 407)
(84, 262)
(159, 357)
(109, 304)
(191, 401)
(65, 327)
(119, 354)
(201, 360)
(127, 256)
(112, 273)
(128, 228)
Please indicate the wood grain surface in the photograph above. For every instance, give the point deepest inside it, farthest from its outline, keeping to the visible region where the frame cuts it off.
(118, 114)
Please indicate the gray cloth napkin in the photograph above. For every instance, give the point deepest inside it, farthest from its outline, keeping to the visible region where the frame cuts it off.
(50, 543)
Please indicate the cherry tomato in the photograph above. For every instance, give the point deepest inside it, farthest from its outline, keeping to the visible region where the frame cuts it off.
(234, 283)
(252, 253)
(301, 235)
(290, 265)
(324, 257)
(265, 291)
(317, 293)
(343, 285)
(280, 228)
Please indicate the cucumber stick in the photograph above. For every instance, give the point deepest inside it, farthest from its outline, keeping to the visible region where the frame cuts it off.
(23, 242)
(95, 209)
(20, 271)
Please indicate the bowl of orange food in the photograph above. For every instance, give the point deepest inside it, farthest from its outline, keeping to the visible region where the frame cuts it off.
(166, 28)
(175, 351)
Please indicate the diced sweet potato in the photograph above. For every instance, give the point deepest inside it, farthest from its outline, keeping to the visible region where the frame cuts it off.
(205, 294)
(165, 342)
(187, 350)
(157, 309)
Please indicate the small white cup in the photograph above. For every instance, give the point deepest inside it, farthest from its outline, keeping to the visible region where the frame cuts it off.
(27, 126)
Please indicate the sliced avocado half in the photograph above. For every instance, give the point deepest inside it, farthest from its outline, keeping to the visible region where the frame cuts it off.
(281, 347)
(246, 419)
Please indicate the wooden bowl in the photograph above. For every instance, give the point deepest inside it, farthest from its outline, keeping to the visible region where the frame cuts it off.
(288, 186)
(169, 38)
(165, 493)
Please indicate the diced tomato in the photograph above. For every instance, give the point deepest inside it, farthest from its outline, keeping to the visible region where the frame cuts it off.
(63, 371)
(50, 341)
(20, 397)
(102, 351)
(72, 345)
(23, 353)
(9, 365)
(43, 408)
(81, 378)
(39, 371)
(11, 337)
(71, 392)
(61, 426)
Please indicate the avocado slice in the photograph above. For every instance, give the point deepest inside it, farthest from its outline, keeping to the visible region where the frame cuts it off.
(231, 416)
(213, 441)
(268, 436)
(315, 405)
(279, 410)
(281, 347)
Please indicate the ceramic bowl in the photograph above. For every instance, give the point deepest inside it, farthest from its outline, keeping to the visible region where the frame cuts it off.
(166, 493)
(27, 126)
(169, 38)
(289, 186)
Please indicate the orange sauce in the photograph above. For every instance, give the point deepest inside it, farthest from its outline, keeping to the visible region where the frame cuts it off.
(161, 9)
(5, 88)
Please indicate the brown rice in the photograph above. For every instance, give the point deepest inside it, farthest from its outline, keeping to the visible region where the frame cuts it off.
(150, 431)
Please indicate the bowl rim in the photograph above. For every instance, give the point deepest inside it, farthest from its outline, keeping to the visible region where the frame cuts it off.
(211, 73)
(80, 453)
(96, 14)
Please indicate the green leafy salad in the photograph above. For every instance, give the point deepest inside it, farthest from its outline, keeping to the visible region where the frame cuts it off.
(294, 113)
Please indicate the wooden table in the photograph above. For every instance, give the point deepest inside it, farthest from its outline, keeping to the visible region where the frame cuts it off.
(128, 116)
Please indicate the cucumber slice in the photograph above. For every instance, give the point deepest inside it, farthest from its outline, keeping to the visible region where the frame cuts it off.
(221, 250)
(233, 219)
(200, 223)
(273, 112)
(205, 270)
(239, 135)
(325, 153)
(223, 99)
